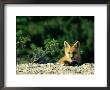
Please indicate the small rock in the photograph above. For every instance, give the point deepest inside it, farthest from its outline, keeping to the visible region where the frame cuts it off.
(51, 68)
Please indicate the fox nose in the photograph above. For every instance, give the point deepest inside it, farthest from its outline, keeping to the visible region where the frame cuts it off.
(72, 57)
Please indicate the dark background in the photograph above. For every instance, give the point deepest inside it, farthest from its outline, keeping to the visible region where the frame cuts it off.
(41, 38)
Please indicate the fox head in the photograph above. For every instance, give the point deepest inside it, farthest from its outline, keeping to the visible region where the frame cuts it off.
(71, 52)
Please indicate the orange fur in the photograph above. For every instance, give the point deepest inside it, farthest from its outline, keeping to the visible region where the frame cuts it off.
(71, 54)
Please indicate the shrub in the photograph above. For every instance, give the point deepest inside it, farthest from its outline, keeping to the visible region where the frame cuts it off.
(34, 37)
(21, 40)
(48, 55)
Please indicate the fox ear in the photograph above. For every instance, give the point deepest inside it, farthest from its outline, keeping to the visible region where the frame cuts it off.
(66, 44)
(77, 44)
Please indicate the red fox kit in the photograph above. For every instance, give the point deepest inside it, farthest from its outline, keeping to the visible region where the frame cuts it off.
(71, 54)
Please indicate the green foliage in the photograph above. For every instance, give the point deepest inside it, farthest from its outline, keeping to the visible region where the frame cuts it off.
(51, 46)
(41, 38)
(49, 54)
(21, 40)
(37, 52)
(52, 49)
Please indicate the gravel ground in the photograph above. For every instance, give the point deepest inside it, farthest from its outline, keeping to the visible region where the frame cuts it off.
(50, 68)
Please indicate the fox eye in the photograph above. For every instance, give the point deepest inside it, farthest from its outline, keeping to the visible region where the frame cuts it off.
(68, 52)
(74, 52)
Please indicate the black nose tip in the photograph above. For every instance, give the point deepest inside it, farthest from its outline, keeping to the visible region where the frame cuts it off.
(72, 58)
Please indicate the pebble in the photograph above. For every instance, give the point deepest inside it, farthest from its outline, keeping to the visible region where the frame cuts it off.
(51, 68)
